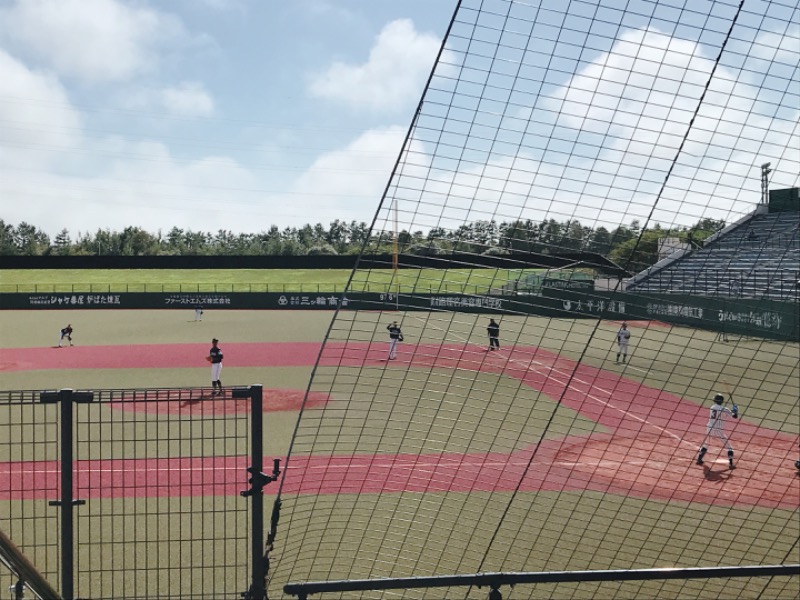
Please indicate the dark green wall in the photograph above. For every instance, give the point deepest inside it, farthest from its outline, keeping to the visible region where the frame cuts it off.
(756, 318)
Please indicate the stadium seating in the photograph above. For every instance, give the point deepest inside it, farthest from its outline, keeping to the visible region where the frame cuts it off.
(757, 258)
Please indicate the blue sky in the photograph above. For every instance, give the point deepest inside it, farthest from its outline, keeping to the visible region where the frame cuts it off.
(206, 114)
(243, 114)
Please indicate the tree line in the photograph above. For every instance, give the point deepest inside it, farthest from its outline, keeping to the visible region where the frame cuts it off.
(626, 244)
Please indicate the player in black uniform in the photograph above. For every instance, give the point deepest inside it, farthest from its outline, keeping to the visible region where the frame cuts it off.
(494, 335)
(395, 336)
(66, 333)
(215, 358)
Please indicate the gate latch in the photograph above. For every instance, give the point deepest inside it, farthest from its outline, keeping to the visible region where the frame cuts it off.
(259, 479)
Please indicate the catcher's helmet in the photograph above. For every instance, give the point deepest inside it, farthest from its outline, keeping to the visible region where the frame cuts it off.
(719, 398)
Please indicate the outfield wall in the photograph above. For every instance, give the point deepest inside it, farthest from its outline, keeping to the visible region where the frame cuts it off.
(756, 318)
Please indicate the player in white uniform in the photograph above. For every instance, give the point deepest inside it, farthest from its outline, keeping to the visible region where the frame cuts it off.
(716, 428)
(623, 335)
(215, 358)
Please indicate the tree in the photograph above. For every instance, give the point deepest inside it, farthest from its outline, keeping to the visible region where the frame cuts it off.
(486, 233)
(496, 251)
(477, 237)
(437, 233)
(637, 254)
(135, 241)
(30, 241)
(224, 242)
(63, 244)
(196, 243)
(325, 249)
(702, 230)
(359, 236)
(291, 247)
(425, 249)
(599, 241)
(8, 246)
(518, 236)
(175, 241)
(338, 236)
(574, 236)
(305, 236)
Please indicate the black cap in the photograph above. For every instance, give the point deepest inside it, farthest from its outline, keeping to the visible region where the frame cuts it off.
(719, 398)
(214, 341)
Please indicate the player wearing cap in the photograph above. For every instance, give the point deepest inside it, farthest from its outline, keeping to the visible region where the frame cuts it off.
(395, 337)
(215, 358)
(623, 335)
(493, 329)
(716, 428)
(65, 333)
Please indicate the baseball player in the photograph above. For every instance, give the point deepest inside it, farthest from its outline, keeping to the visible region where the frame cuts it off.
(494, 335)
(716, 428)
(198, 312)
(65, 333)
(395, 337)
(623, 335)
(215, 358)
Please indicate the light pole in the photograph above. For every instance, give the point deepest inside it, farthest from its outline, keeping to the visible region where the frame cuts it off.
(765, 171)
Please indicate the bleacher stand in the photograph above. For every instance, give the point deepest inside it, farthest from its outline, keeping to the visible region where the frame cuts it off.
(756, 257)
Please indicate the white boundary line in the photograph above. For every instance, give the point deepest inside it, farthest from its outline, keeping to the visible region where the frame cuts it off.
(364, 465)
(569, 386)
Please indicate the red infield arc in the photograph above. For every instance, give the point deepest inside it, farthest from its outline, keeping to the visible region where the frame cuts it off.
(649, 452)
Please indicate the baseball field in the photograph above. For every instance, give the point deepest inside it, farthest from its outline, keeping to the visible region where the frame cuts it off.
(161, 480)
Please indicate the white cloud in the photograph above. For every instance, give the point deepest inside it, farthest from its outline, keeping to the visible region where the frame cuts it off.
(392, 77)
(92, 40)
(37, 121)
(221, 4)
(346, 183)
(778, 47)
(636, 103)
(187, 99)
(141, 185)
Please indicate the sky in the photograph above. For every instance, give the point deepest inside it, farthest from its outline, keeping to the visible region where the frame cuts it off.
(206, 114)
(240, 115)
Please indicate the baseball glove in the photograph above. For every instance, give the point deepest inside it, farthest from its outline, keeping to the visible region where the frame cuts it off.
(208, 359)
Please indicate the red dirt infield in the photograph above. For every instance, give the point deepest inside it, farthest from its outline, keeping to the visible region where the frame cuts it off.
(648, 453)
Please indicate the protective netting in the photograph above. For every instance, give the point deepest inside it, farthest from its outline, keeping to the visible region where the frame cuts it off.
(555, 129)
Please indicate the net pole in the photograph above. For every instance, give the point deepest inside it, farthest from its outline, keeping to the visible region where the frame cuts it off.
(395, 260)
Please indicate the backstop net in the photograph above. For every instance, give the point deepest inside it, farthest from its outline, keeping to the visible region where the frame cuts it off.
(569, 137)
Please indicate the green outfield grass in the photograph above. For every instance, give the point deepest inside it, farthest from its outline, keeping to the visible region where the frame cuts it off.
(256, 280)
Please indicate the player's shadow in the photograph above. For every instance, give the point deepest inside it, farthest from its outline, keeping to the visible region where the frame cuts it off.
(722, 474)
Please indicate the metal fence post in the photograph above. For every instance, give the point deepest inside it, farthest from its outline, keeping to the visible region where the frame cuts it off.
(66, 397)
(258, 479)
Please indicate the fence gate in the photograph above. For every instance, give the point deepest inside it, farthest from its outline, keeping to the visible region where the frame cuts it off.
(136, 493)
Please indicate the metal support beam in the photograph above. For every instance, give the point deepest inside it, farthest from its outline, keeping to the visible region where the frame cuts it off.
(258, 479)
(67, 397)
(494, 580)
